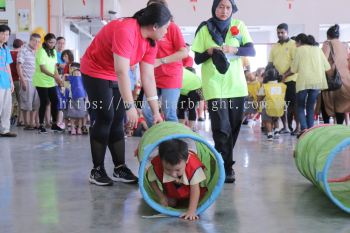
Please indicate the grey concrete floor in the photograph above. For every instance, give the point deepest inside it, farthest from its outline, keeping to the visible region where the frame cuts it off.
(44, 189)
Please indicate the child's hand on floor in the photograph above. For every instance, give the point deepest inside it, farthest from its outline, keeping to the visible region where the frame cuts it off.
(190, 215)
(164, 201)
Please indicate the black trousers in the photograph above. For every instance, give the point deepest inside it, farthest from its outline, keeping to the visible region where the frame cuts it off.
(188, 102)
(226, 118)
(107, 129)
(47, 95)
(291, 99)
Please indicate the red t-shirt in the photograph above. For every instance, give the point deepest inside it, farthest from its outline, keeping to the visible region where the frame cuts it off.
(122, 37)
(14, 73)
(170, 75)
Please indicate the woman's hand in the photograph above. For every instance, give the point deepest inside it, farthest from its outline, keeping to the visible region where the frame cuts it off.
(210, 50)
(58, 80)
(132, 117)
(157, 118)
(157, 63)
(229, 49)
(164, 201)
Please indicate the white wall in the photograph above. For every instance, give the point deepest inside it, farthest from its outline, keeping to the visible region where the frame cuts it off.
(40, 14)
(310, 13)
(72, 41)
(10, 14)
(92, 7)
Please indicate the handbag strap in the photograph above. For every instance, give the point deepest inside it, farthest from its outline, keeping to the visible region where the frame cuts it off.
(332, 53)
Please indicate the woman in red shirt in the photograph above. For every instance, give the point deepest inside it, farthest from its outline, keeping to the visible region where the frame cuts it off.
(168, 69)
(105, 66)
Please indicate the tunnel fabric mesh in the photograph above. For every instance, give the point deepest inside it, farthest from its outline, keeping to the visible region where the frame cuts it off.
(315, 152)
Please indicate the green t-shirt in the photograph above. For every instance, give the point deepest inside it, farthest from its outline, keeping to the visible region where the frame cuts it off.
(40, 79)
(190, 82)
(233, 83)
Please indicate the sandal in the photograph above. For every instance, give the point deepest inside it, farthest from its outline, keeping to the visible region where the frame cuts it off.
(301, 133)
(79, 131)
(20, 124)
(73, 131)
(84, 130)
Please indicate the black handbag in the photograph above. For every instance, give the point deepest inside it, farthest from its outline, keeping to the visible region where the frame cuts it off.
(334, 82)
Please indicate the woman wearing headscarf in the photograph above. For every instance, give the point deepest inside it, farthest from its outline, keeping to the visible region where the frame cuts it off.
(218, 45)
(336, 103)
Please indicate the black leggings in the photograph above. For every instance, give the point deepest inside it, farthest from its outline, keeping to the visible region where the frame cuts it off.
(188, 102)
(226, 118)
(108, 128)
(47, 95)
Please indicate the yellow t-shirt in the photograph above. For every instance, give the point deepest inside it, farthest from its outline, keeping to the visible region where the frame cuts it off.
(274, 98)
(311, 64)
(282, 56)
(253, 89)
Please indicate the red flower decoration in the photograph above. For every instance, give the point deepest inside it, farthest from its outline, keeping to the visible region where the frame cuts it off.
(234, 31)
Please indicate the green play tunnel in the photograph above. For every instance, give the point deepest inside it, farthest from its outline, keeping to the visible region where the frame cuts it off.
(212, 160)
(316, 151)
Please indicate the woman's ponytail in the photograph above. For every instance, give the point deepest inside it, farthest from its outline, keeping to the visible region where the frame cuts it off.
(138, 15)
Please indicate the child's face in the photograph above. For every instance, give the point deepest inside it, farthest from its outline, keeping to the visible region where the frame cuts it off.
(250, 77)
(4, 36)
(76, 73)
(175, 171)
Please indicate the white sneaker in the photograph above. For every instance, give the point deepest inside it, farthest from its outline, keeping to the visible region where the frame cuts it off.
(251, 123)
(276, 135)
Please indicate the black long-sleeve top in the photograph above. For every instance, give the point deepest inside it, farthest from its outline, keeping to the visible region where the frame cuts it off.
(246, 50)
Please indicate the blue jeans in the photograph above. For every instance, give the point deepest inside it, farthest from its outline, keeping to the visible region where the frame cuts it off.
(306, 99)
(169, 99)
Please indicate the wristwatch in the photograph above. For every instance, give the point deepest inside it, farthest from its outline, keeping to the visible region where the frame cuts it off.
(163, 60)
(128, 106)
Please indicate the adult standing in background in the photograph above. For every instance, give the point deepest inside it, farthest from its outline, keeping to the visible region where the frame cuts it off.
(224, 85)
(60, 45)
(45, 79)
(336, 103)
(281, 57)
(28, 95)
(311, 65)
(6, 83)
(105, 69)
(168, 70)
